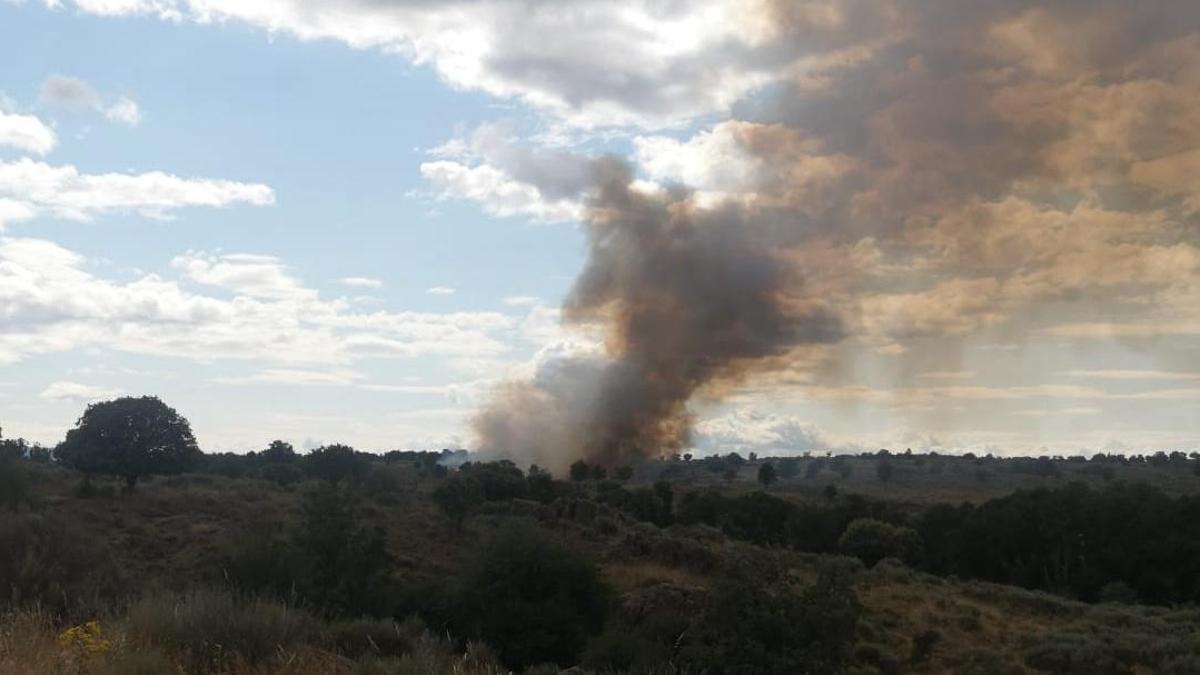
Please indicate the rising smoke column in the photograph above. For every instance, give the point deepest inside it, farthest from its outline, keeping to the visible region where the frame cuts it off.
(688, 297)
(928, 173)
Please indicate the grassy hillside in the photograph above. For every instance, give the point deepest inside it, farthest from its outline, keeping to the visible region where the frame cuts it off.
(205, 573)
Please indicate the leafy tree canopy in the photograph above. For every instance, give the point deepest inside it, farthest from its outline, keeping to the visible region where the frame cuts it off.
(130, 437)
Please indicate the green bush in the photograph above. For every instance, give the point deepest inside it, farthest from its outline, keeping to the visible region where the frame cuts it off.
(532, 597)
(872, 540)
(257, 559)
(757, 623)
(14, 483)
(345, 566)
(457, 496)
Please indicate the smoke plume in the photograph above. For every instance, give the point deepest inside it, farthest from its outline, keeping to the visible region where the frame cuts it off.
(688, 297)
(930, 171)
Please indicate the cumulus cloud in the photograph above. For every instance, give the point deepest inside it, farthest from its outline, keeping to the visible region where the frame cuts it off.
(510, 175)
(591, 63)
(27, 133)
(499, 193)
(34, 188)
(51, 302)
(245, 274)
(440, 290)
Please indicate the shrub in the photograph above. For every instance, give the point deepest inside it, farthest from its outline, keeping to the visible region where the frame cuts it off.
(457, 496)
(207, 629)
(14, 483)
(346, 567)
(497, 481)
(532, 597)
(257, 559)
(335, 463)
(54, 562)
(281, 473)
(1074, 653)
(767, 474)
(580, 471)
(872, 540)
(755, 622)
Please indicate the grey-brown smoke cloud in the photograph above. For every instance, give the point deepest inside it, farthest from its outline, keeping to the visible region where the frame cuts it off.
(689, 298)
(928, 171)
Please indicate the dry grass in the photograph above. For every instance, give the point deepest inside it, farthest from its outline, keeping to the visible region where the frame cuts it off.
(214, 633)
(633, 574)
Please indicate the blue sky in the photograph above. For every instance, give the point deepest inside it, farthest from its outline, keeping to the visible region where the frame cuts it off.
(352, 222)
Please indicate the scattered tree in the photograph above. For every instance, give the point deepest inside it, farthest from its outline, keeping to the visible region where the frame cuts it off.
(130, 438)
(279, 451)
(335, 463)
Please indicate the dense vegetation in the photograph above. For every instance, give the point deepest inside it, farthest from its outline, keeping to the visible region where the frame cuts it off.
(138, 553)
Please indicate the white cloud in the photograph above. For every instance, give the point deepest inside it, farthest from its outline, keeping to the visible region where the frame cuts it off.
(26, 132)
(76, 392)
(360, 282)
(712, 160)
(124, 110)
(745, 430)
(499, 193)
(522, 301)
(50, 302)
(592, 63)
(71, 92)
(64, 192)
(440, 290)
(252, 275)
(297, 376)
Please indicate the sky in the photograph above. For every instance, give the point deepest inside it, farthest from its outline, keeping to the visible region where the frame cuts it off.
(937, 225)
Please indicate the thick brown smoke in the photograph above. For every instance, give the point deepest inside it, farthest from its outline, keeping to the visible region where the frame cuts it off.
(689, 298)
(932, 170)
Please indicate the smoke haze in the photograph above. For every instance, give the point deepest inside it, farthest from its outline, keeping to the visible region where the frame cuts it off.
(929, 171)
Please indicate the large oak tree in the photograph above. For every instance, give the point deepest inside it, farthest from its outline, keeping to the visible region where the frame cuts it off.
(130, 437)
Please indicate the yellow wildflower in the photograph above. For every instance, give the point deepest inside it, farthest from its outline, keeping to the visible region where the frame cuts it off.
(85, 638)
